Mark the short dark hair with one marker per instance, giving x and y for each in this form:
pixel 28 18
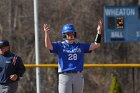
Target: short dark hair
pixel 4 43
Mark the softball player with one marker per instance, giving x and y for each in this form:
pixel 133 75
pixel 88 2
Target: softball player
pixel 71 57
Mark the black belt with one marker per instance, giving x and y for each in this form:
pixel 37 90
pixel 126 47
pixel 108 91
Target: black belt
pixel 69 72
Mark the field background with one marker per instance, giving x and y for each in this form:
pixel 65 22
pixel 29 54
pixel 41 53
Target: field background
pixel 17 26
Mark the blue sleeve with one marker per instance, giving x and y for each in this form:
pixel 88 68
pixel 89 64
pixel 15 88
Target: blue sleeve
pixel 55 47
pixel 86 47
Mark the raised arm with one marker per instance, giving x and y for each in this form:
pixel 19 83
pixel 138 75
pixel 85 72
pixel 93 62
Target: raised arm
pixel 48 43
pixel 96 43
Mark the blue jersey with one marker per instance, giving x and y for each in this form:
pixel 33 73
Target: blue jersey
pixel 70 56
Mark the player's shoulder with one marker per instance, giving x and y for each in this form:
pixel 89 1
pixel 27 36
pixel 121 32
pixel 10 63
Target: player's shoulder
pixel 83 43
pixel 78 43
pixel 57 42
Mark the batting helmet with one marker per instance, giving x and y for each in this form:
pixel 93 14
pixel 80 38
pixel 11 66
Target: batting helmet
pixel 68 28
pixel 4 43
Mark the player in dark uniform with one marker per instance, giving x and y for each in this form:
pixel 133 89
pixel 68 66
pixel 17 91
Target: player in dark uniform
pixel 71 57
pixel 11 68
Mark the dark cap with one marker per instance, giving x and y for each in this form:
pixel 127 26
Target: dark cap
pixel 4 43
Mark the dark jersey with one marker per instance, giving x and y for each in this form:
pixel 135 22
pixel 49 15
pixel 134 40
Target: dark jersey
pixel 10 64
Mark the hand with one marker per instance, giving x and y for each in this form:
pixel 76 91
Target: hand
pixel 13 77
pixel 46 28
pixel 99 28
